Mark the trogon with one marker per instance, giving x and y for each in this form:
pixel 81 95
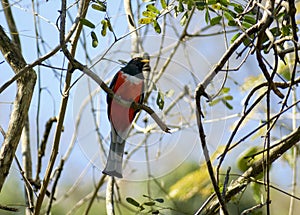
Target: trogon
pixel 128 83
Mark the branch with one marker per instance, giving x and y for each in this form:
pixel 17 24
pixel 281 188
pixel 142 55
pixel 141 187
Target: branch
pixel 82 10
pixel 257 168
pixel 21 105
pixel 134 105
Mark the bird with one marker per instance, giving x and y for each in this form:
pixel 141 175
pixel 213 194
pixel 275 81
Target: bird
pixel 128 83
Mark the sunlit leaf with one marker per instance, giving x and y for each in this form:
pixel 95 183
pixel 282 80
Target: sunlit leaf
pixel 151 7
pixel 156 27
pixel 250 19
pixel 216 20
pixel 235 37
pixel 149 14
pixel 104 27
pixel 228 16
pixel 225 90
pixel 94 39
pixel 145 20
pixel 163 4
pixel 99 7
pixel 87 23
pixel 109 25
pixel 184 18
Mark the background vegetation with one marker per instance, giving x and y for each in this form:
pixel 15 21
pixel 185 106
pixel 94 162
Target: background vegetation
pixel 224 79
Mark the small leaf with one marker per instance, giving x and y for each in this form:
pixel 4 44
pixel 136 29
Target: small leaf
pixel 149 203
pixel 87 23
pixel 229 106
pixel 104 27
pixel 216 20
pixel 109 25
pixel 229 97
pixel 249 19
pixel 99 7
pixel 235 37
pixel 207 16
pixel 160 200
pixel 145 20
pixel 237 7
pixel 214 102
pixel 94 39
pixel 225 90
pixel 156 27
pixel 132 201
pixel 151 7
pixel 180 6
pixel 160 100
pixel 228 16
pixel 163 4
pixel 184 18
pixel 149 14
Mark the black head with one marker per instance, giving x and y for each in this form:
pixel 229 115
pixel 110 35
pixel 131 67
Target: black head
pixel 135 66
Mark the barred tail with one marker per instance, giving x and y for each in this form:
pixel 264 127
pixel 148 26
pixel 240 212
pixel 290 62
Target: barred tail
pixel 115 157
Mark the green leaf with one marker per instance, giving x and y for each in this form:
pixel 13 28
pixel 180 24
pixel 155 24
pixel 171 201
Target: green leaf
pixel 235 37
pixel 225 90
pixel 156 27
pixel 216 20
pixel 145 20
pixel 94 39
pixel 104 27
pixel 228 16
pixel 224 2
pixel 250 19
pixel 229 97
pixel 211 2
pixel 229 106
pixel 132 202
pixel 99 7
pixel 207 16
pixel 246 25
pixel 109 25
pixel 180 6
pixel 237 7
pixel 184 18
pixel 214 102
pixel 160 101
pixel 87 23
pixel 163 4
pixel 149 14
pixel 151 7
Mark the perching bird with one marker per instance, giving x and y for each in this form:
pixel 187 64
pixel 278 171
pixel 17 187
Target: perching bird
pixel 128 83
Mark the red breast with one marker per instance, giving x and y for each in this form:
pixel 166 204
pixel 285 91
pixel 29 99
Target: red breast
pixel 128 88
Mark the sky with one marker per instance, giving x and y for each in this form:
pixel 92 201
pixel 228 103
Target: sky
pixel 188 67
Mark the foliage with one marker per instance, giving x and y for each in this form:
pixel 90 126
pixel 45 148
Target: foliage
pixel 251 46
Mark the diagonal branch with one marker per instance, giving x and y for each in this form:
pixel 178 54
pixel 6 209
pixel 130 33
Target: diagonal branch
pixel 257 167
